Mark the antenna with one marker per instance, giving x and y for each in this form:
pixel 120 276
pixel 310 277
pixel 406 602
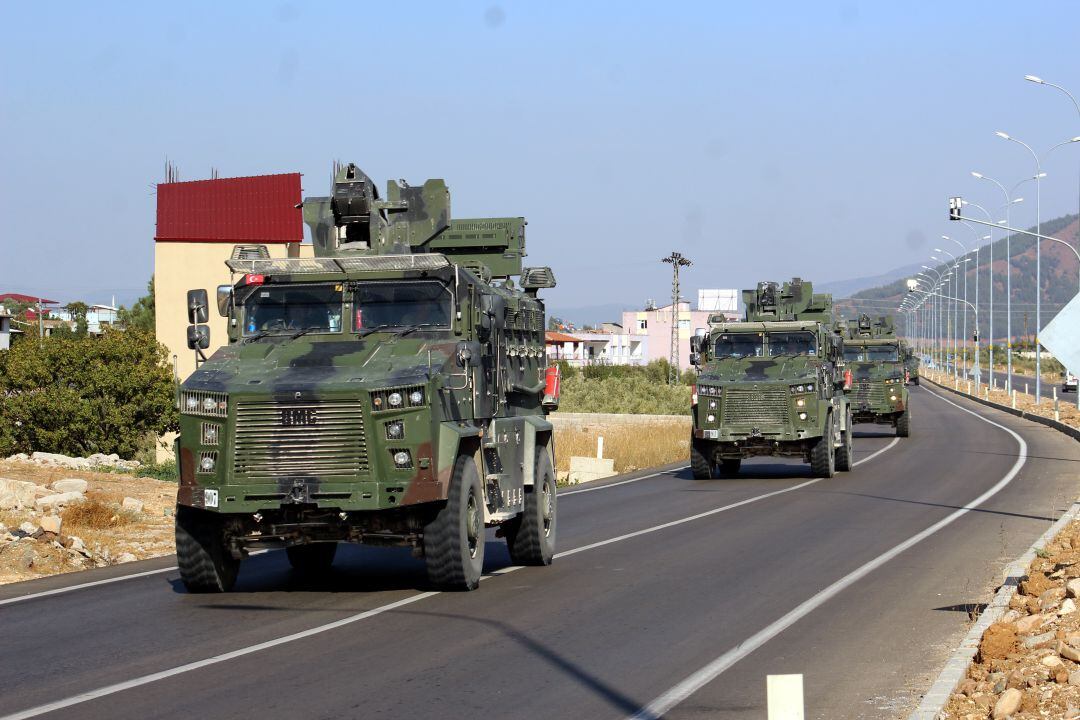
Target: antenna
pixel 676 260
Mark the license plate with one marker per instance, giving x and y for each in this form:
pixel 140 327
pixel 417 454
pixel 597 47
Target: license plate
pixel 298 416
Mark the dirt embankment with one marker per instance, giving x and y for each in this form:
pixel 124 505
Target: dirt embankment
pixel 55 519
pixel 1028 665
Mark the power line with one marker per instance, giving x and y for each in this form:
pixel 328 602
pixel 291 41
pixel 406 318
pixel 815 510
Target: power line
pixel 676 260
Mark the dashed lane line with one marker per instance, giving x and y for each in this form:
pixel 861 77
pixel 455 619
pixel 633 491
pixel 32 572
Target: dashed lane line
pixel 699 679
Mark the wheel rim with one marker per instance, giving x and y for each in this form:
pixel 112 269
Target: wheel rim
pixel 472 525
pixel 547 507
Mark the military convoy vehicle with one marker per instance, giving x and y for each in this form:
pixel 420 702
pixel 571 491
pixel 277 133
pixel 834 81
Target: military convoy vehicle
pixel 390 390
pixel 911 363
pixel 772 384
pixel 879 389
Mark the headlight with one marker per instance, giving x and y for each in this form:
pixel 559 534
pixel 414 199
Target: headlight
pixel 394 399
pixel 402 459
pixel 395 430
pixel 802 416
pixel 800 403
pixel 209 405
pixel 711 418
pixel 192 403
pixel 203 402
pixel 209 434
pixel 416 397
pixel 207 461
pixel 810 387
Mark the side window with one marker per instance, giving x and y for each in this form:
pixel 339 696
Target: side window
pixel 642 324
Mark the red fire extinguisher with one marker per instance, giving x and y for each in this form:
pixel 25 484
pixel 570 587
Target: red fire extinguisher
pixel 848 378
pixel 552 378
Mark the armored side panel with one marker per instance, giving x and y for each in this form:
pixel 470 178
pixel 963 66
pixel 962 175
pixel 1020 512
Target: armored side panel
pixel 497 244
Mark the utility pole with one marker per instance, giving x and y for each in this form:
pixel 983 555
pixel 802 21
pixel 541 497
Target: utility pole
pixel 676 260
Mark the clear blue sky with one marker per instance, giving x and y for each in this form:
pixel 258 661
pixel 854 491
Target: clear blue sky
pixel 763 140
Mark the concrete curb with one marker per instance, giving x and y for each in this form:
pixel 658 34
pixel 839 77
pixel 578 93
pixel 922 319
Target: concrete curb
pixel 955 670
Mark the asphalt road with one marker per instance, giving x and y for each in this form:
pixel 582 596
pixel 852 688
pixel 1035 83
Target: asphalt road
pixel 704 587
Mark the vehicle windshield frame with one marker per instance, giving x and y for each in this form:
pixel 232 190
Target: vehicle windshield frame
pixel 758 346
pixel 289 325
pixel 443 297
pixel 810 351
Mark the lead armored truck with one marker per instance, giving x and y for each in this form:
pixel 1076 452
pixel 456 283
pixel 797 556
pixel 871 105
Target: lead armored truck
pixel 874 356
pixel 389 390
pixel 771 384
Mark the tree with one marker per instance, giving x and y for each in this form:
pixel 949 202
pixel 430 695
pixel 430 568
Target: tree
pixel 78 311
pixel 142 315
pixel 84 395
pixel 554 323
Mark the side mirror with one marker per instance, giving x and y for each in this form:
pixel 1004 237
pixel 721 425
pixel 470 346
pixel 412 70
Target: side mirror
pixel 198 336
pixel 224 299
pixel 197 306
pixel 695 359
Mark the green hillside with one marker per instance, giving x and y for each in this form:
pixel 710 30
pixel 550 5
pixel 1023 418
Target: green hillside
pixel 1059 281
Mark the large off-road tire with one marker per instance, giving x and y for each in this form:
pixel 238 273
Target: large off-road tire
pixel 822 457
pixel 531 535
pixel 206 565
pixel 729 468
pixel 454 539
pixel 312 557
pixel 903 424
pixel 845 453
pixel 701 464
pixel 915 380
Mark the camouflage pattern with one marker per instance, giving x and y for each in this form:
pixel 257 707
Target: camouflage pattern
pixel 879 393
pixel 770 405
pixel 303 432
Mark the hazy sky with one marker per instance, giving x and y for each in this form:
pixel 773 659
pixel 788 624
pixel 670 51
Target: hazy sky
pixel 763 140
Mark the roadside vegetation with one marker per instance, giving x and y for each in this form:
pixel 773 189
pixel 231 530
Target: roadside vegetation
pixel 83 395
pixel 624 389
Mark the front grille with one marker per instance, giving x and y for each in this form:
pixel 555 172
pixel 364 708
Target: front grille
pixel 299 439
pixel 868 392
pixel 759 408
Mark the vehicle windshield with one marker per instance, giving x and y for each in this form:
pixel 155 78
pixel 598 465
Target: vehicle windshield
pixel 273 309
pixel 792 343
pixel 401 304
pixel 738 345
pixel 871 353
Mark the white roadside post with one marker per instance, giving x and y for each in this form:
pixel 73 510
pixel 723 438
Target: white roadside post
pixel 784 695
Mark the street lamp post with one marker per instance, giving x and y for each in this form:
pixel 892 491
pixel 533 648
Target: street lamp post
pixel 1038 261
pixel 952 311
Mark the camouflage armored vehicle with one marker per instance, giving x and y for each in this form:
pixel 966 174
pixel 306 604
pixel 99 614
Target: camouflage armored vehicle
pixel 771 384
pixel 911 363
pixel 879 392
pixel 389 390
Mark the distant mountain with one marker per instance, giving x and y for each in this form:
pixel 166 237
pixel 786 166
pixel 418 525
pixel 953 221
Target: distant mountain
pixel 1059 282
pixel 847 288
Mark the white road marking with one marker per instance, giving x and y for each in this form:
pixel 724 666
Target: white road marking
pixel 707 513
pixel 710 672
pixel 319 629
pixel 95 583
pixel 622 482
pixel 80 586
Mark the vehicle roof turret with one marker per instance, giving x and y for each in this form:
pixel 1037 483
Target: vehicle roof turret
pixel 794 300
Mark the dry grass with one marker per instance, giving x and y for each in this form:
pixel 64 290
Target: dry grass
pixel 633 447
pixel 95 515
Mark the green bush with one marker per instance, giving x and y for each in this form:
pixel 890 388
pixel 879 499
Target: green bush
pixel 634 393
pixel 85 395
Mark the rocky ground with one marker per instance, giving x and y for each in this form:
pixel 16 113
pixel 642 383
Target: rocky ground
pixel 1028 665
pixel 60 514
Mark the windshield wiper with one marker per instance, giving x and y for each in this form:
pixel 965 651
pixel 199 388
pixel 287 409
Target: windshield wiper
pixel 258 336
pixel 305 331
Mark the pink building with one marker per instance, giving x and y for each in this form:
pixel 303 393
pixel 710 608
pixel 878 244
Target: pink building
pixel 654 323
